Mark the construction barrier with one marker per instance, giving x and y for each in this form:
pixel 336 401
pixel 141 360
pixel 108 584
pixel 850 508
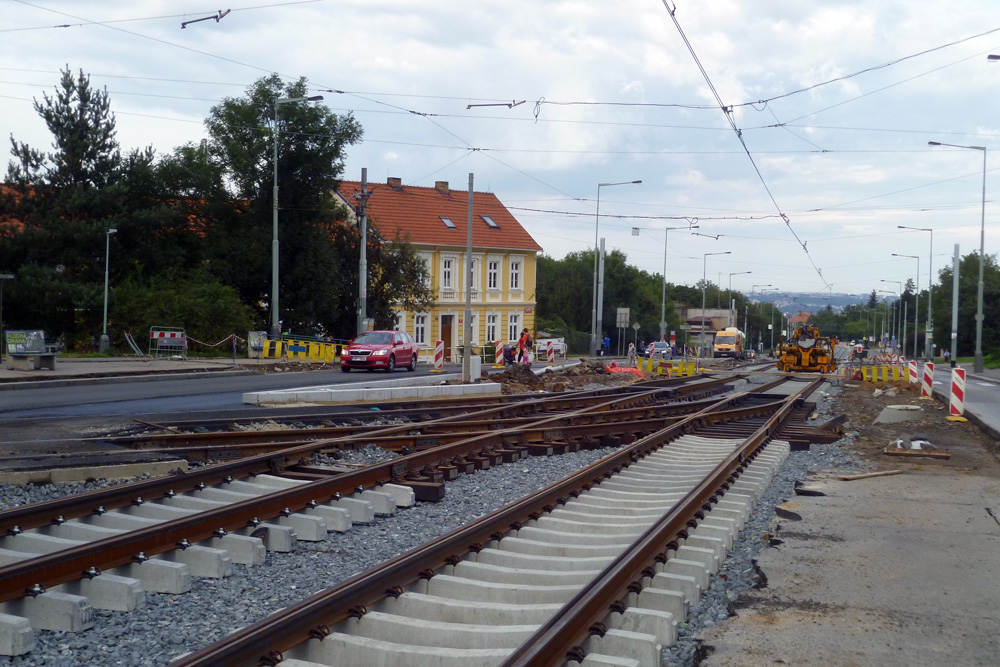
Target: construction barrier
pixel 272 349
pixel 438 365
pixel 499 358
pixel 167 341
pixel 550 351
pixel 913 371
pixel 956 406
pixel 927 386
pixel 303 349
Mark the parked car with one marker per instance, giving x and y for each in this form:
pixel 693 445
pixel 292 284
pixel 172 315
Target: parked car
pixel 380 349
pixel 659 349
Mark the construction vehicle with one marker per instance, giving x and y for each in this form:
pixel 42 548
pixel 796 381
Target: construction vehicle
pixel 730 342
pixel 807 351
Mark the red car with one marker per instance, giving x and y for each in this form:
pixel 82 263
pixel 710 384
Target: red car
pixel 380 349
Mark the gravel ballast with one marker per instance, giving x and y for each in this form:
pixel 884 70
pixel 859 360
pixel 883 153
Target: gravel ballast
pixel 169 625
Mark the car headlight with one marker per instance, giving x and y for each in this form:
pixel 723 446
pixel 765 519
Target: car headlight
pixel 380 353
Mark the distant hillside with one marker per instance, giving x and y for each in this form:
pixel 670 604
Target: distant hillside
pixel 791 303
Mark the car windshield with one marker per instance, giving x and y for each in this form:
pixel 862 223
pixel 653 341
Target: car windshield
pixel 726 340
pixel 374 338
pixel 660 346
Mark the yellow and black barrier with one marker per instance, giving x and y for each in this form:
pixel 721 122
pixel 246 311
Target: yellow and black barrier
pixel 299 349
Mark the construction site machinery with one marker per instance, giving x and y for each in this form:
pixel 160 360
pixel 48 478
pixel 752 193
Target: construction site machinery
pixel 807 351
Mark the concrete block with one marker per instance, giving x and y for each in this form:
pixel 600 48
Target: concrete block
pixel 339 648
pixel 308 528
pixel 8 557
pixel 688 568
pixel 598 660
pixel 433 608
pixel 586 529
pixel 201 561
pixel 641 647
pixel 158 575
pixel 361 511
pixel 661 599
pixel 570 538
pixel 687 586
pixel 108 591
pixel 119 521
pixel 241 548
pixel 276 538
pixel 16 636
pixel 53 610
pixel 513 559
pixel 403 496
pixel 222 495
pixel 457 588
pixel 274 481
pixel 660 624
pixel 706 557
pixel 507 575
pixel 336 518
pixel 714 544
pixel 73 530
pixel 33 542
pixel 391 628
pixel 156 511
pixel 382 502
pixel 186 502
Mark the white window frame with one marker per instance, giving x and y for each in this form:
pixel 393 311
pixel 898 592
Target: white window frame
pixel 513 326
pixel 447 273
pixel 492 324
pixel 474 340
pixel 420 328
pixel 400 320
pixel 515 273
pixel 426 259
pixel 493 267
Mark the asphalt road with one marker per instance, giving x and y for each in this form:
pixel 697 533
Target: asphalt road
pixel 171 394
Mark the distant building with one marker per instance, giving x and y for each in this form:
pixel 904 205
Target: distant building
pixel 801 318
pixel 434 221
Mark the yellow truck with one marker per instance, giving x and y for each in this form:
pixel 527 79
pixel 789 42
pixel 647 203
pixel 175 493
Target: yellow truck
pixel 730 342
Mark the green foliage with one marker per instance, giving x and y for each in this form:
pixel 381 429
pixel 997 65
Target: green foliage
pixel 208 311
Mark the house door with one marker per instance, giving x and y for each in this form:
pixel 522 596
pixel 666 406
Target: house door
pixel 446 323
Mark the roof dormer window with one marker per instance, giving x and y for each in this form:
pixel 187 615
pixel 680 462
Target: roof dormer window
pixel 448 223
pixel 490 222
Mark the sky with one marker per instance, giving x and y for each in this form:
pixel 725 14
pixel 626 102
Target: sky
pixel 793 134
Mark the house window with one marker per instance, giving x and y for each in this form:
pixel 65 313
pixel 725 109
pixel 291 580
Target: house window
pixel 426 264
pixel 400 320
pixel 448 223
pixel 474 337
pixel 493 274
pixel 475 277
pixel 446 266
pixel 490 222
pixel 515 274
pixel 420 329
pixel 513 326
pixel 491 326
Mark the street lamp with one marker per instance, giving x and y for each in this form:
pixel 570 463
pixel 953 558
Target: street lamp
pixel 977 365
pixel 103 346
pixel 729 296
pixel 595 322
pixel 663 302
pixel 916 305
pixel 275 321
pixel 704 280
pixel 899 295
pixel 929 329
pixel 885 319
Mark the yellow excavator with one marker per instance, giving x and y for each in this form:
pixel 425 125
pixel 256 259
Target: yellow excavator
pixel 807 351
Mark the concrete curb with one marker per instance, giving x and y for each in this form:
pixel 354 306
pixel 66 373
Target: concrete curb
pixel 386 390
pixel 83 473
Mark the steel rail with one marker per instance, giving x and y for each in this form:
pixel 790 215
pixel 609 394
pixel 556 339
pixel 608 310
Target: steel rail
pixel 264 642
pixel 559 639
pixel 71 564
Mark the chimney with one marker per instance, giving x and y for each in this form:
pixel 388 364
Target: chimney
pixel 395 183
pixel 441 186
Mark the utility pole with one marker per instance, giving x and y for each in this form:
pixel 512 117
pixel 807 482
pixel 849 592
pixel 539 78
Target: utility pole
pixel 363 263
pixel 954 311
pixel 467 357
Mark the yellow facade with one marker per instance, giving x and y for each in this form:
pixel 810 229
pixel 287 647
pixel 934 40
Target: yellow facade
pixel 503 298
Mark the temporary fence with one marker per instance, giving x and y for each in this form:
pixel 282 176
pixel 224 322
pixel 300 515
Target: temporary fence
pixel 167 341
pixel 311 349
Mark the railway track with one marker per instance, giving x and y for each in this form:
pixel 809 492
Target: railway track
pixel 102 550
pixel 598 568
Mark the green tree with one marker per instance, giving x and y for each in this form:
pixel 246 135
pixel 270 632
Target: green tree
pixel 968 286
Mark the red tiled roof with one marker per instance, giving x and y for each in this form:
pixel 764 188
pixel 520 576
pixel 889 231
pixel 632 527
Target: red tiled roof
pixel 415 215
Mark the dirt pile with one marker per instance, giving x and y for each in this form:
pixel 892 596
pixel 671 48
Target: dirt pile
pixel 520 379
pixel 863 402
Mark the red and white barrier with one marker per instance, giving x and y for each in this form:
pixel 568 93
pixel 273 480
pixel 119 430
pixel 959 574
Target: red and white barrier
pixel 438 364
pixel 913 371
pixel 957 403
pixel 550 352
pixel 927 386
pixel 499 358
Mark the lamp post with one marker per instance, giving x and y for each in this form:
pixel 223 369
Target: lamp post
pixel 663 301
pixel 977 364
pixel 899 295
pixel 275 321
pixel 594 320
pixel 886 319
pixel 729 297
pixel 929 328
pixel 916 304
pixel 3 277
pixel 704 274
pixel 103 346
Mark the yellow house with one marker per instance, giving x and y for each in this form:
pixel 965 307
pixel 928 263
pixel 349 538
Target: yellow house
pixel 434 220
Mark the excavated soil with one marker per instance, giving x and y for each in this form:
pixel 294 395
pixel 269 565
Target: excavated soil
pixel 587 375
pixel 862 403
